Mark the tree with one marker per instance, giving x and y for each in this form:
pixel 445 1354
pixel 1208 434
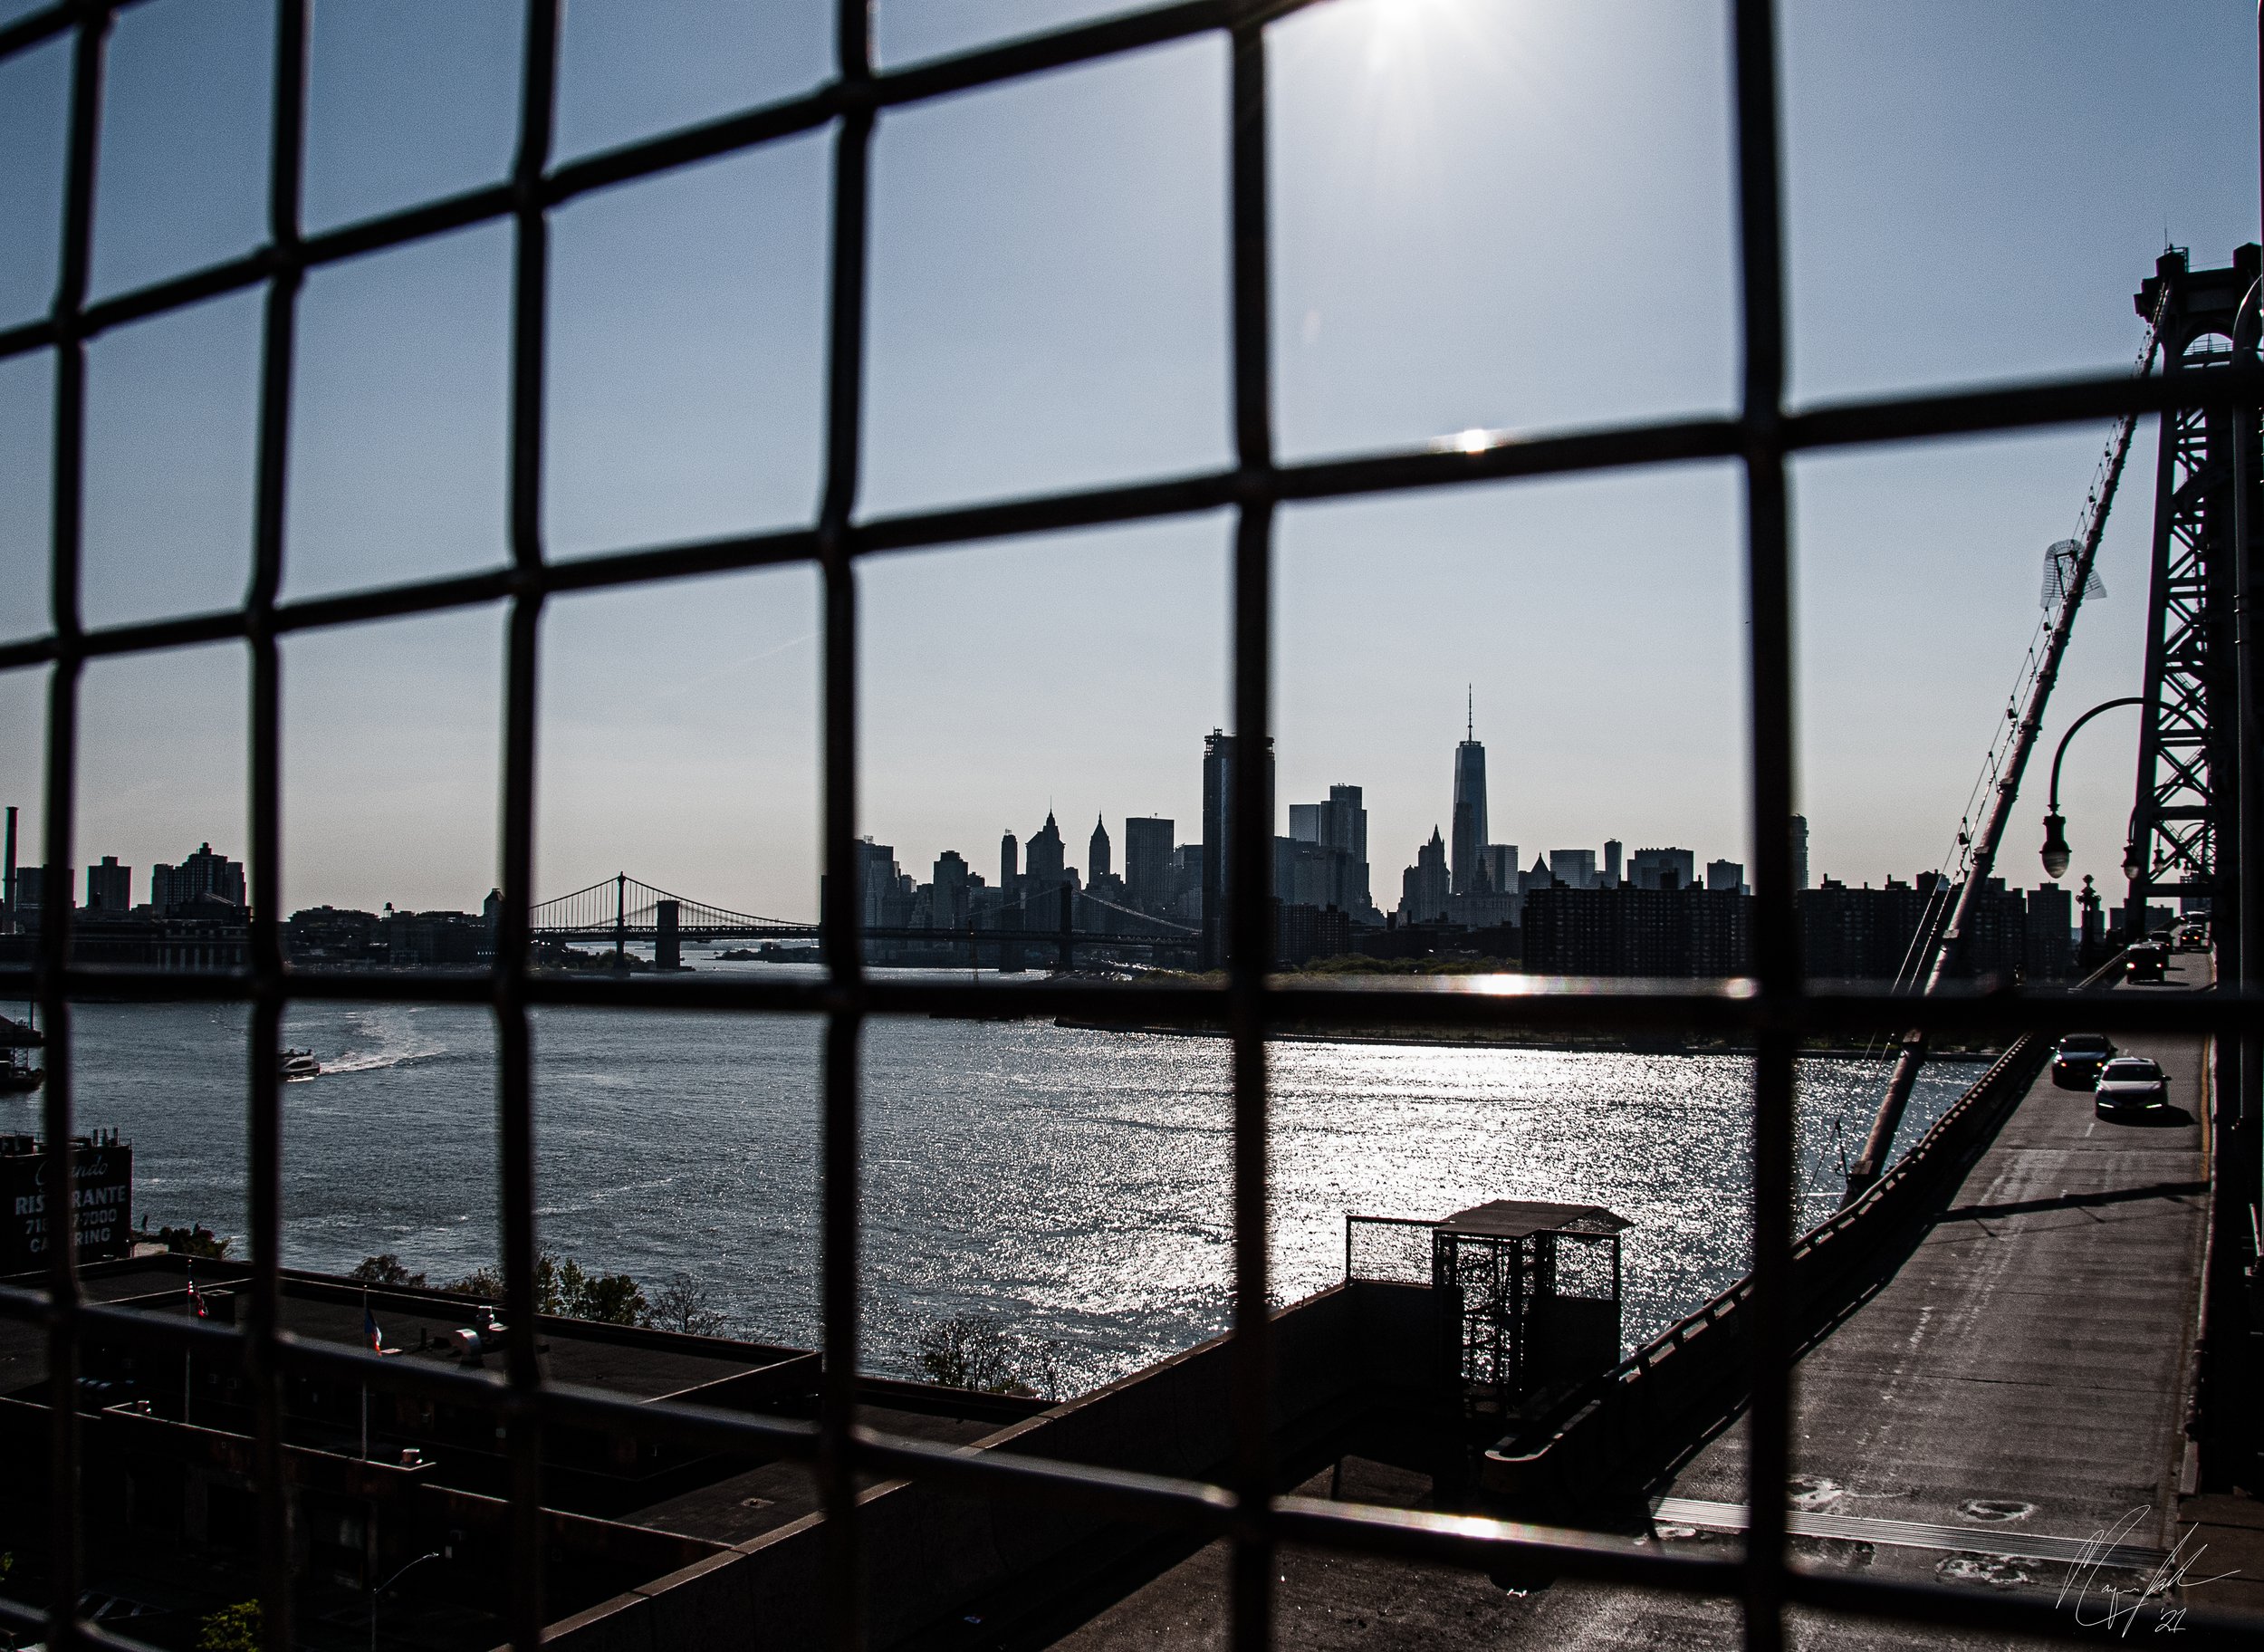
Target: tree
pixel 611 1299
pixel 568 1289
pixel 481 1281
pixel 681 1303
pixel 968 1351
pixel 386 1269
pixel 196 1240
pixel 231 1629
pixel 965 1353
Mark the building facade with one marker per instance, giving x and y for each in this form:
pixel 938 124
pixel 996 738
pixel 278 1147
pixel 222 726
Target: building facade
pixel 200 875
pixel 1147 846
pixel 110 886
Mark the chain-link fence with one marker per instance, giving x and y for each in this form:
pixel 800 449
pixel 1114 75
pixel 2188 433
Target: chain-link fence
pixel 1774 1010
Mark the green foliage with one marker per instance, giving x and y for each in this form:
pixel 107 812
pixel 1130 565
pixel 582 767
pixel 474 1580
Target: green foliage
pixel 1359 963
pixel 231 1629
pixel 569 1290
pixel 611 1299
pixel 480 1281
pixel 386 1269
pixel 196 1240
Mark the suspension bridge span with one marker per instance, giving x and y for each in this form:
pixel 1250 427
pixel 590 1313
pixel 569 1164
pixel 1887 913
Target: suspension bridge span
pixel 621 911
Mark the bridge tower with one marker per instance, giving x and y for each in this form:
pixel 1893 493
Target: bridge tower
pixel 2182 823
pixel 2197 829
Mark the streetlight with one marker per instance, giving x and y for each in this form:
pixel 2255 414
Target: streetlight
pixel 431 1554
pixel 2055 852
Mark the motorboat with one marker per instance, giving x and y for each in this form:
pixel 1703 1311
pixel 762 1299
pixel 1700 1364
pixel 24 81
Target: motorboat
pixel 298 1064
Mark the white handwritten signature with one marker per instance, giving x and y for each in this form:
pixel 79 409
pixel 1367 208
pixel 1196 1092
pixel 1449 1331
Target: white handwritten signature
pixel 2117 1606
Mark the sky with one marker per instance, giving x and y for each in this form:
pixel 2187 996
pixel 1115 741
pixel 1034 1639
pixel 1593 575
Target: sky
pixel 1498 213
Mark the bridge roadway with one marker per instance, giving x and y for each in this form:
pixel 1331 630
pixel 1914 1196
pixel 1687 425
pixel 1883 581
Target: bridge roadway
pixel 2033 1353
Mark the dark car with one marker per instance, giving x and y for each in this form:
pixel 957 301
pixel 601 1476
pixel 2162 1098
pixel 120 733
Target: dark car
pixel 2148 961
pixel 2130 1084
pixel 2076 1063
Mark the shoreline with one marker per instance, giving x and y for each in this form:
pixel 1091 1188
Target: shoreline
pixel 1838 1052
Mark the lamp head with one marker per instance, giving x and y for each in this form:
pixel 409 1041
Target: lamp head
pixel 2056 851
pixel 2135 860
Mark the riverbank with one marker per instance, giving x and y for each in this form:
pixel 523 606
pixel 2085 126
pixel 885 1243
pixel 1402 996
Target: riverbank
pixel 1481 1038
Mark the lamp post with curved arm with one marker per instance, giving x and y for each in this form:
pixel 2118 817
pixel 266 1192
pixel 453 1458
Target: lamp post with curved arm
pixel 2056 851
pixel 433 1554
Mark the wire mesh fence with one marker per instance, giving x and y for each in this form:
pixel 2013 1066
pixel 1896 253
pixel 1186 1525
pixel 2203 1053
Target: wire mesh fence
pixel 1773 1009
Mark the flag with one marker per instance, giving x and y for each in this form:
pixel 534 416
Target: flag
pixel 369 1332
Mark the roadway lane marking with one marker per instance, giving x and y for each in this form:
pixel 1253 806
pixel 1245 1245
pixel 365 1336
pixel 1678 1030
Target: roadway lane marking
pixel 1913 1534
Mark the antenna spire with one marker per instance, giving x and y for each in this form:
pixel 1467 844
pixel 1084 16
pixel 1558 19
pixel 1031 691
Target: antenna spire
pixel 1470 725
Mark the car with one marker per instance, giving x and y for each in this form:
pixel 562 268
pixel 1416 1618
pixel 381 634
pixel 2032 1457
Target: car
pixel 2077 1062
pixel 2130 1084
pixel 2192 938
pixel 2147 961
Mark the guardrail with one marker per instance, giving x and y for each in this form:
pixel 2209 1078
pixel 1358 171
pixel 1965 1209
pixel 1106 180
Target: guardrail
pixel 1602 1442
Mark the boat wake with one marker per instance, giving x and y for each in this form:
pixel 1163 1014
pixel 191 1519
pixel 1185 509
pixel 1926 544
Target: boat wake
pixel 375 1061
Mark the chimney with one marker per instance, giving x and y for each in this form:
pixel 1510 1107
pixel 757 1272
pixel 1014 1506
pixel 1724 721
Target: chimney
pixel 7 890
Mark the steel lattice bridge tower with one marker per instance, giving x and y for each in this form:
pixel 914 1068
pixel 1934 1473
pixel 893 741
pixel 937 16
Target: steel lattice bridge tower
pixel 2183 821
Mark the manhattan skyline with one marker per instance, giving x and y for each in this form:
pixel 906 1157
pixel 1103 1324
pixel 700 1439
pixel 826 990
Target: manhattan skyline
pixel 1064 325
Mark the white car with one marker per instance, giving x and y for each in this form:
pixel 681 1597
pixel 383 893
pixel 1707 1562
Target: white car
pixel 2130 1084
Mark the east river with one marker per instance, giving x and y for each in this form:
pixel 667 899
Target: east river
pixel 1065 1183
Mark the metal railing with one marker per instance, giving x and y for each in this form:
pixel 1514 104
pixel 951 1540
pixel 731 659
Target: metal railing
pixel 1773 1009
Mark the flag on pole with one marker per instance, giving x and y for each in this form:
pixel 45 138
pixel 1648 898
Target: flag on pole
pixel 369 1332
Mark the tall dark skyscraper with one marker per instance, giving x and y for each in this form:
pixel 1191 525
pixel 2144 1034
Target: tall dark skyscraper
pixel 1096 866
pixel 1147 846
pixel 1470 807
pixel 110 886
pixel 1043 862
pixel 1222 773
pixel 1009 864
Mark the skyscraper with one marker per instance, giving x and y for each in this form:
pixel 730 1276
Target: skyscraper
pixel 1340 828
pixel 1097 865
pixel 1042 865
pixel 1222 774
pixel 1147 846
pixel 110 886
pixel 1663 869
pixel 1009 864
pixel 947 902
pixel 1423 887
pixel 1799 851
pixel 202 874
pixel 1470 805
pixel 1574 868
pixel 1612 849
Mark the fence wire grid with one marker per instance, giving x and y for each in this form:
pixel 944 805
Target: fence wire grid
pixel 1772 1007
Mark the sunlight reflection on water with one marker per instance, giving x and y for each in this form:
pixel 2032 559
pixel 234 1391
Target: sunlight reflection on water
pixel 1072 1184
